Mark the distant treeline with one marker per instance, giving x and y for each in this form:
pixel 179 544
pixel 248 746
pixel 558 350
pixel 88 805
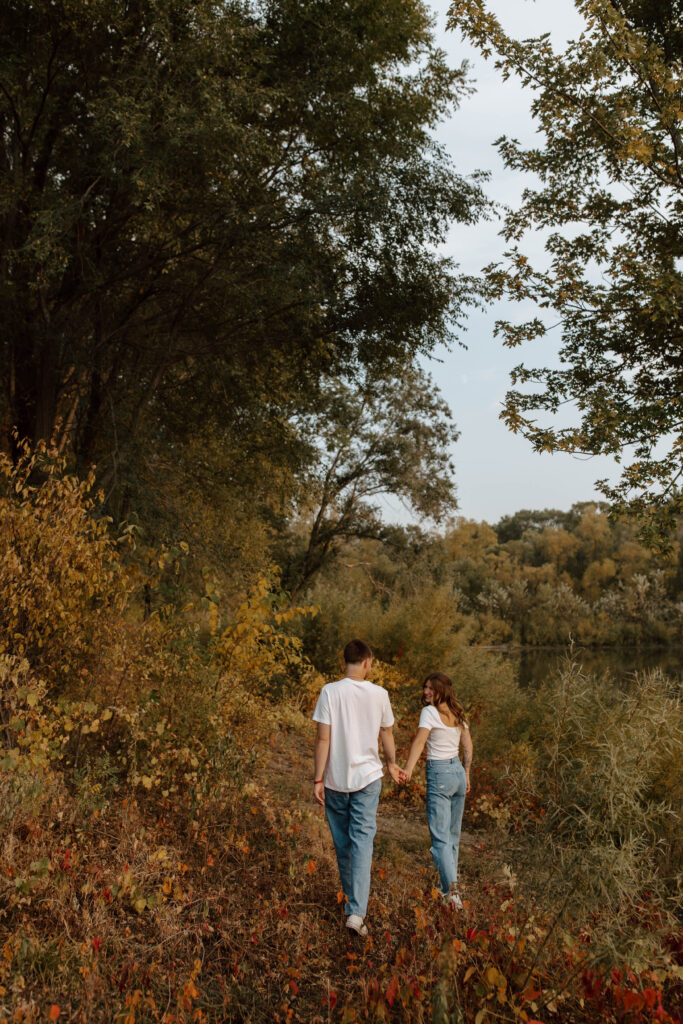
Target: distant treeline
pixel 536 577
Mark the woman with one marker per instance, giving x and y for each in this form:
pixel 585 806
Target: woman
pixel 443 728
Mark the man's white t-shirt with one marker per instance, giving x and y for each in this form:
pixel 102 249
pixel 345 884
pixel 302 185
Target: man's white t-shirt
pixel 355 710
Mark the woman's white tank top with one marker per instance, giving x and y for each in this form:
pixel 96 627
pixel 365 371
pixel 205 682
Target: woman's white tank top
pixel 443 741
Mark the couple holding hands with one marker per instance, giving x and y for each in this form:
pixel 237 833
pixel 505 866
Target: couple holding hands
pixel 351 715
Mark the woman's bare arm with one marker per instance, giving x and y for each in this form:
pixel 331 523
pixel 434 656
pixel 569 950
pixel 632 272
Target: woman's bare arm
pixel 415 751
pixel 467 749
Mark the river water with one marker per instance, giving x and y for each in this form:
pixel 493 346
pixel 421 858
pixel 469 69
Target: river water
pixel 534 665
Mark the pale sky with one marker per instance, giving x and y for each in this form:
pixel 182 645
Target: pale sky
pixel 497 472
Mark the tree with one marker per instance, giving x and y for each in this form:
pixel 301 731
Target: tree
pixel 513 527
pixel 207 205
pixel 611 192
pixel 381 436
pixel 513 602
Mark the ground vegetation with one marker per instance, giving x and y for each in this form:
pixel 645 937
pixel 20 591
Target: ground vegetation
pixel 162 859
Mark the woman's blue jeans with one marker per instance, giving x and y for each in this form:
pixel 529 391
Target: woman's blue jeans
pixel 446 785
pixel 352 818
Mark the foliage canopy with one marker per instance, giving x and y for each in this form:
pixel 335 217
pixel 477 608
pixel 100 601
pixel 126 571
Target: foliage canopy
pixel 206 208
pixel 610 194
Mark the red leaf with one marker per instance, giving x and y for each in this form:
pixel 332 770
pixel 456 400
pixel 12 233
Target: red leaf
pixel 54 1011
pixel 631 1000
pixel 650 997
pixel 392 989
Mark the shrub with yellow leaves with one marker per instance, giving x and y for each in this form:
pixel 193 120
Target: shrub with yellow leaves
pixel 26 731
pixel 256 647
pixel 109 700
pixel 60 578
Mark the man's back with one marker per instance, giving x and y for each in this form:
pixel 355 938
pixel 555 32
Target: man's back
pixel 355 710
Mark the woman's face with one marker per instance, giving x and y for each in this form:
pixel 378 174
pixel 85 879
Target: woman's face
pixel 428 692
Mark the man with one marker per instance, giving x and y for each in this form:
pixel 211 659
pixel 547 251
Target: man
pixel 348 772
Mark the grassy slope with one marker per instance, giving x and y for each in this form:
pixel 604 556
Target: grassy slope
pixel 140 912
pixel 247 925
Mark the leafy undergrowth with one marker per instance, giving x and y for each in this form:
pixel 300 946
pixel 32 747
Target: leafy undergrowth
pixel 161 859
pixel 139 911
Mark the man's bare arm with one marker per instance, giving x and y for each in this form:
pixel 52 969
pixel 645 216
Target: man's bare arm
pixel 322 750
pixel 389 748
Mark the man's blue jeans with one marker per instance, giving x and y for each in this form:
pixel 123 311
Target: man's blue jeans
pixel 352 819
pixel 446 785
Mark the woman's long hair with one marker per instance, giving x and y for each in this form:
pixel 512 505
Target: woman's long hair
pixel 443 694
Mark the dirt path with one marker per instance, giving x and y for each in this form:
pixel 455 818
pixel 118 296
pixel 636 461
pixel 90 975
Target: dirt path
pixel 402 833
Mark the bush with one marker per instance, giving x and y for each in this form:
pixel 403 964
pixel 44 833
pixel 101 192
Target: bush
pixel 112 702
pixel 61 581
pixel 583 796
pixel 152 856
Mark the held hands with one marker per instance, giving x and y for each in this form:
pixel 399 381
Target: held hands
pixel 399 775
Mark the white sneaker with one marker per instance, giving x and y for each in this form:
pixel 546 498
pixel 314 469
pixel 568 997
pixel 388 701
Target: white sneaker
pixel 355 923
pixel 453 901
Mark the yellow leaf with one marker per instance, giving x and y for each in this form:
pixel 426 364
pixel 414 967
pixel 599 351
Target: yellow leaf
pixel 494 977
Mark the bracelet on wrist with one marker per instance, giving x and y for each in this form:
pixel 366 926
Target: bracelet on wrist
pixel 316 781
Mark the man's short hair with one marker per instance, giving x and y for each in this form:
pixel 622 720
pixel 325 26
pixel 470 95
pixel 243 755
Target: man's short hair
pixel 357 651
